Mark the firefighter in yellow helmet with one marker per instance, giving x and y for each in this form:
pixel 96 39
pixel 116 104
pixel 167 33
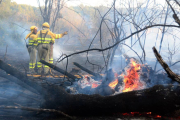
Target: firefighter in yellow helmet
pixel 32 44
pixel 46 39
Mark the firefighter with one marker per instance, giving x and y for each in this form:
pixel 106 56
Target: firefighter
pixel 46 39
pixel 32 44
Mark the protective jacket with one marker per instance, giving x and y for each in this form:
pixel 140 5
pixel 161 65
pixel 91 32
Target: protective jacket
pixel 44 39
pixel 32 37
pixel 46 36
pixel 32 40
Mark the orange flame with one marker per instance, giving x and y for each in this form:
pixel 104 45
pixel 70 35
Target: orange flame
pixel 113 84
pixel 131 80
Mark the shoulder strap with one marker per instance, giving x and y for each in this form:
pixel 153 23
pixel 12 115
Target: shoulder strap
pixel 45 34
pixel 41 35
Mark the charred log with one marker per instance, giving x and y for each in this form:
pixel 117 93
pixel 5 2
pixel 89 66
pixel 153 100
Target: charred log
pixel 158 99
pixel 170 73
pixel 59 70
pixel 88 71
pixel 22 77
pixel 17 81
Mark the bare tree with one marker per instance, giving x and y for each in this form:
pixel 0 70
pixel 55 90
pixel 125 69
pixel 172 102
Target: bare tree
pixel 172 52
pixel 50 11
pixel 130 23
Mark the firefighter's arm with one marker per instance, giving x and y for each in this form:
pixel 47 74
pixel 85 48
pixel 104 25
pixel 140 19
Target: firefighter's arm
pixel 57 36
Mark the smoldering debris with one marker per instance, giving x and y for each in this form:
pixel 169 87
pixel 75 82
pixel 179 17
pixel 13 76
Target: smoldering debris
pixel 134 76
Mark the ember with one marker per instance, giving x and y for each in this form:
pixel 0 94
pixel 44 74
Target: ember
pixel 88 81
pixel 94 85
pixel 145 114
pixel 157 116
pixel 131 80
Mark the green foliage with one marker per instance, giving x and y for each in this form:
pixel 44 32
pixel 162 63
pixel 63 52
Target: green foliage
pixel 5 10
pixel 23 15
pixel 19 13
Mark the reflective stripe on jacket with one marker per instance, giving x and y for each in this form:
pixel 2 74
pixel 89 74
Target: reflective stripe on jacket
pixel 31 40
pixel 46 36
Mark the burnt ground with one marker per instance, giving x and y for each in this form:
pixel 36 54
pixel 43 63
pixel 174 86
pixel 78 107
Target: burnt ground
pixel 12 94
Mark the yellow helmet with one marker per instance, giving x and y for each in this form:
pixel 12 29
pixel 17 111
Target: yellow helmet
pixel 33 27
pixel 46 25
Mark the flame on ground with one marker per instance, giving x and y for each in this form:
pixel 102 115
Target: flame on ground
pixel 131 80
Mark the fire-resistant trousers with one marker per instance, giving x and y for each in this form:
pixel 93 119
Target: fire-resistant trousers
pixel 32 62
pixel 43 54
pixel 51 53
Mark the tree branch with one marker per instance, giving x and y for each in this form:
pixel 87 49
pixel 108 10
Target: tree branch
pixel 174 15
pixel 96 49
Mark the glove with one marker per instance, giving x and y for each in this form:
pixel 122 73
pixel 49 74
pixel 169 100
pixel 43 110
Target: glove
pixel 65 33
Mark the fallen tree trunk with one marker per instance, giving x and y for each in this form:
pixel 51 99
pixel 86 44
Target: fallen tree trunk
pixel 160 99
pixel 17 81
pixel 170 73
pixel 59 70
pixel 22 77
pixel 88 71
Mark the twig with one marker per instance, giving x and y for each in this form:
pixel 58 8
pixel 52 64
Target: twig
pixel 37 109
pixel 75 27
pixel 97 34
pixel 177 2
pixel 20 26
